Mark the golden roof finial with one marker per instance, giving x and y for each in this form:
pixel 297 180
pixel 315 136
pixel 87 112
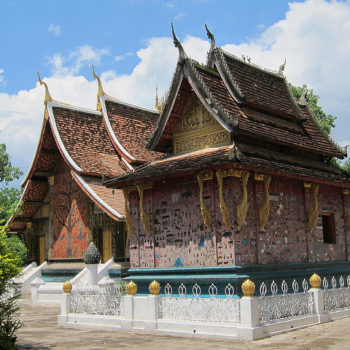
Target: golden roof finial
pixel 48 97
pixel 100 91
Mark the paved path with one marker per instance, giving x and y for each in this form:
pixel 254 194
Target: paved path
pixel 40 331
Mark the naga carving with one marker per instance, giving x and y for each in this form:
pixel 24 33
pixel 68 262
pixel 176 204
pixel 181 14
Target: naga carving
pixel 314 212
pixel 243 207
pixel 224 209
pixel 128 218
pixel 204 209
pixel 144 216
pixel 265 209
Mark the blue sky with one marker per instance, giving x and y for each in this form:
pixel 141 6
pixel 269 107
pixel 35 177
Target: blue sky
pixel 129 42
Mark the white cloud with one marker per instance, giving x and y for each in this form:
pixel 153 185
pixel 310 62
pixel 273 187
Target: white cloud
pixel 314 37
pixel 72 63
pixel 2 78
pixel 122 57
pixel 179 16
pixel 55 29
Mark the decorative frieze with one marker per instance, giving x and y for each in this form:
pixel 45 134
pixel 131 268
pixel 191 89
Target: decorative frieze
pixel 314 212
pixel 204 209
pixel 265 209
pixel 243 207
pixel 198 129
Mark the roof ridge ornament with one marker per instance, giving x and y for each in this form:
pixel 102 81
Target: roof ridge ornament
pixel 48 97
pixel 177 44
pixel 100 91
pixel 211 37
pixel 281 68
pixel 156 104
pixel 302 100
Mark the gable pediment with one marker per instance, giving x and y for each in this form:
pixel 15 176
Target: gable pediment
pixel 197 129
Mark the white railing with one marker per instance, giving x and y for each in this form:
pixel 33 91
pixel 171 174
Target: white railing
pixel 197 307
pixel 284 306
pixel 186 309
pixel 97 300
pixel 336 298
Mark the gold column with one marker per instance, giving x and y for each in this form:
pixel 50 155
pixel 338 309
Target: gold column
pixel 204 209
pixel 265 209
pixel 143 213
pixel 224 209
pixel 243 207
pixel 314 212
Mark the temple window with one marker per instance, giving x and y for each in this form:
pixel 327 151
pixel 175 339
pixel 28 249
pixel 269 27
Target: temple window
pixel 328 225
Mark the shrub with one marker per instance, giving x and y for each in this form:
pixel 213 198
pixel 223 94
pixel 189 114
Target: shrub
pixel 16 244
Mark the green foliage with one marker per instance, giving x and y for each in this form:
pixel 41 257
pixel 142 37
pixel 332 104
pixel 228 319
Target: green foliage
pixel 9 197
pixel 325 120
pixel 18 247
pixel 7 172
pixel 9 268
pixel 346 166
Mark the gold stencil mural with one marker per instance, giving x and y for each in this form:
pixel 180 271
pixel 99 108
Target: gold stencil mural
pixel 198 129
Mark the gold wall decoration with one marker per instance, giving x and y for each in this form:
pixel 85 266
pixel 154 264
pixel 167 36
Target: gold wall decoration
pixel 346 191
pixel 198 129
pixel 265 209
pixel 143 214
pixel 258 177
pixel 314 212
pixel 128 217
pixel 307 184
pixel 204 209
pixel 224 209
pixel 243 207
pixel 348 224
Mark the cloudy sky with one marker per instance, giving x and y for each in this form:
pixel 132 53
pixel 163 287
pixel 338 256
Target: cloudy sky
pixel 130 44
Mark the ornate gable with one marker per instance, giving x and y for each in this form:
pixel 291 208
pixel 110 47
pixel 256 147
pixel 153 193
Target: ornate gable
pixel 198 129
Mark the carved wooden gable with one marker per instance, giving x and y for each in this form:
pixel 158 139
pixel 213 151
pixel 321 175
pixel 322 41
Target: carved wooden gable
pixel 198 129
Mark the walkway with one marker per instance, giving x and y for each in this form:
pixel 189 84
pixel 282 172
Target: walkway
pixel 40 331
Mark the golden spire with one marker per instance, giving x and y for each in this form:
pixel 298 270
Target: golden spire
pixel 100 91
pixel 48 97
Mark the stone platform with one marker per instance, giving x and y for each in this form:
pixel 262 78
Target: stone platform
pixel 235 275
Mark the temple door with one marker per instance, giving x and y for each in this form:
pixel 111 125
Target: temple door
pixel 106 245
pixel 41 249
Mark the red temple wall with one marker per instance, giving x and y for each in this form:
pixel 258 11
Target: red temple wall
pixel 70 221
pixel 179 237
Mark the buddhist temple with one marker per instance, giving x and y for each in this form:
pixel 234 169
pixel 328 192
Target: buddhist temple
pixel 245 184
pixel 64 204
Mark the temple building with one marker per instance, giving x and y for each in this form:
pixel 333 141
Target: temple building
pixel 245 178
pixel 64 204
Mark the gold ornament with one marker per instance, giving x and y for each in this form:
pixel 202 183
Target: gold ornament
pixel 265 209
pixel 248 288
pixel 154 288
pixel 67 287
pixel 204 209
pixel 314 212
pixel 131 288
pixel 315 281
pixel 225 211
pixel 243 207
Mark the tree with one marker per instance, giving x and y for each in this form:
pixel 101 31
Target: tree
pixel 9 196
pixel 326 121
pixel 9 268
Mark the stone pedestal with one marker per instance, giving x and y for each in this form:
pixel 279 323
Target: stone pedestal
pixel 92 273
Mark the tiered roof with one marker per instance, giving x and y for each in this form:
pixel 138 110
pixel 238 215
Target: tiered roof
pixel 83 138
pixel 269 129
